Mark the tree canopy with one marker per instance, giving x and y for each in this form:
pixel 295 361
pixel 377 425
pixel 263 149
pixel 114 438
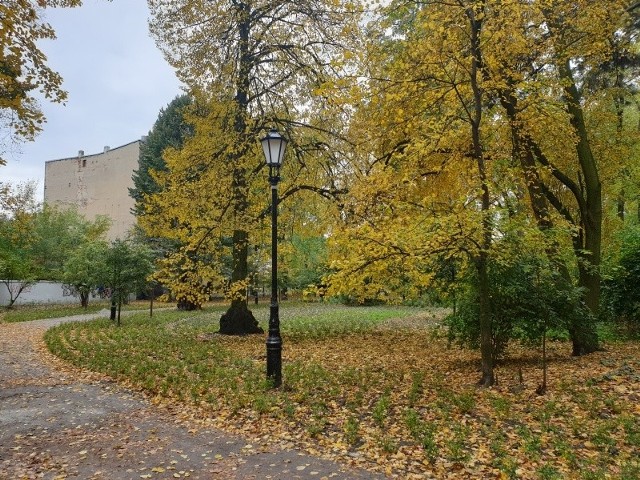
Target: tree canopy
pixel 169 130
pixel 249 66
pixel 455 141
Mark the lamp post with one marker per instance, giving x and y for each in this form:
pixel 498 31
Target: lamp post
pixel 274 145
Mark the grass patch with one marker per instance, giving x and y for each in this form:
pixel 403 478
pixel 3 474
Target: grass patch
pixel 315 320
pixel 26 313
pixel 358 388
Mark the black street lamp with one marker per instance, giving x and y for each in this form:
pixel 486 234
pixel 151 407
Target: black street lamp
pixel 274 145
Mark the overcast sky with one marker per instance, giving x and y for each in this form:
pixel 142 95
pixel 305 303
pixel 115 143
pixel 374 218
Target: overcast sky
pixel 116 78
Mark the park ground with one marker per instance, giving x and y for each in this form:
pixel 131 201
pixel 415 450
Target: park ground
pixel 376 388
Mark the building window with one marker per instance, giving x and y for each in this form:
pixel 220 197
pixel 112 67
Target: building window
pixel 84 162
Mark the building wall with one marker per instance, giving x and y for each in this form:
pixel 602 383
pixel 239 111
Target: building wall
pixel 96 184
pixel 39 292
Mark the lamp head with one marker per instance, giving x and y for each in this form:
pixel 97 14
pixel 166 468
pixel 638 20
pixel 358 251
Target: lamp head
pixel 273 145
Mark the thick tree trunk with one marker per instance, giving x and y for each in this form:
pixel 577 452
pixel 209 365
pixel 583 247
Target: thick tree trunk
pixel 582 332
pixel 588 196
pixel 239 320
pixel 589 258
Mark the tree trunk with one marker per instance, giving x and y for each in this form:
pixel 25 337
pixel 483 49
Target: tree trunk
pixel 589 258
pixel 186 305
pixel 112 313
pixel 475 117
pixel 582 332
pixel 239 320
pixel 619 103
pixel 84 299
pixel 589 201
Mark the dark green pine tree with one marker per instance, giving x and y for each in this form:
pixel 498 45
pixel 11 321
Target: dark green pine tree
pixel 169 130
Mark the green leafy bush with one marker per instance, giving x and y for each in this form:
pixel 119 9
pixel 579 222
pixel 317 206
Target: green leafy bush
pixel 527 298
pixel 621 290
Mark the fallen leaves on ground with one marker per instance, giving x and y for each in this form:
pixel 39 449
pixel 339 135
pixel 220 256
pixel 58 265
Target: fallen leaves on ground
pixel 394 399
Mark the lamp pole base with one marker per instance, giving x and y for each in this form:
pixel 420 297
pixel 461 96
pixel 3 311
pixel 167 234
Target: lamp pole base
pixel 274 360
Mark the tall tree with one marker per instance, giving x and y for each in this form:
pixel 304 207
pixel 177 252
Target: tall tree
pixel 169 130
pixel 251 65
pixel 552 82
pixel 497 85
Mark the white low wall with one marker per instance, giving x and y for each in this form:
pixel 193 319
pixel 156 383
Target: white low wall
pixel 39 292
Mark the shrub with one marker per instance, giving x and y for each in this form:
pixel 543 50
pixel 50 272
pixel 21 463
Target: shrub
pixel 527 298
pixel 621 291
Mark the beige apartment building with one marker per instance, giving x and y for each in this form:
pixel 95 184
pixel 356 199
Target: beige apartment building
pixel 96 184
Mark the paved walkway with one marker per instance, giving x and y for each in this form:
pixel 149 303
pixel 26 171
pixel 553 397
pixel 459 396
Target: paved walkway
pixel 54 425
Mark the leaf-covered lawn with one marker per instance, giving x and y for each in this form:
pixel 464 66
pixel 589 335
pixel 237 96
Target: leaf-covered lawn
pixel 379 387
pixel 25 313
